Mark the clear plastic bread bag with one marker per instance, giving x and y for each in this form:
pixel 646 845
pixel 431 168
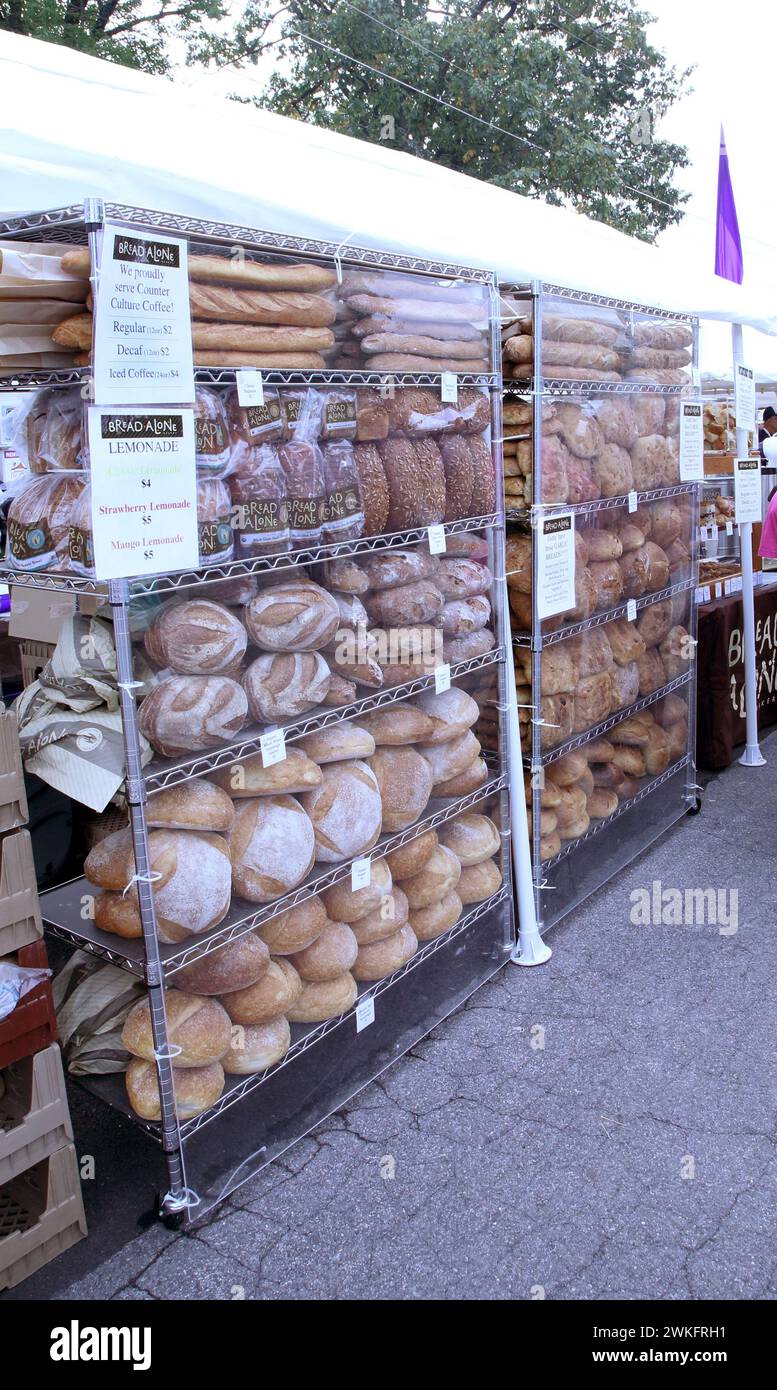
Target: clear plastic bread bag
pixel 211 434
pixel 303 466
pixel 344 515
pixel 258 492
pixel 215 538
pixel 39 517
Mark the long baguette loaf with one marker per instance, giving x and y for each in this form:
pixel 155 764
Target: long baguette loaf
pixel 523 371
pixel 417 309
pixel 406 362
pixel 75 332
pixel 77 261
pixel 420 345
pixel 267 360
pixel 386 323
pixel 264 339
pixel 225 270
pixel 256 306
pixel 380 282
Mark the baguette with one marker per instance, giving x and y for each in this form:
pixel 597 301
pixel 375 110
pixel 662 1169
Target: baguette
pixel 377 282
pixel 415 309
pixel 74 333
pixel 267 360
pixel 225 270
pixel 423 346
pixel 387 323
pixel 257 306
pixel 265 339
pixel 401 362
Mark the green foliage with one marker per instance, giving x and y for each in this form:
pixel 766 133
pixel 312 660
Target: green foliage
pixel 133 32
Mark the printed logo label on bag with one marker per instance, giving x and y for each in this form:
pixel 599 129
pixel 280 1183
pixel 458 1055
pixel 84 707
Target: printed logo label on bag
pixel 142 252
pixel 76 1343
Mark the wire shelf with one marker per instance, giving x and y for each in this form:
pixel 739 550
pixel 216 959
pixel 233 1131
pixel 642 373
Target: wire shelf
pixel 271 376
pixel 527 290
pixel 531 514
pixel 549 639
pixel 611 722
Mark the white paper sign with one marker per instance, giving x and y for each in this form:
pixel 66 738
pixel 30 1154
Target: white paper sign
pixel 729 528
pixel 631 610
pixel 273 747
pixel 144 492
pixel 365 1012
pixel 361 873
pixel 633 501
pixel 744 397
pixel 442 678
pixel 556 564
pixel 436 536
pixel 250 387
pixel 691 441
pixel 142 320
pixel 747 490
pixel 449 388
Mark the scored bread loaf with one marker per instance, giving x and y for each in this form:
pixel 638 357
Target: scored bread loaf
pixel 377 959
pixel 286 684
pixel 196 1089
pixel 404 779
pixel 186 714
pixel 408 605
pixel 345 811
pixel 452 757
pixel 274 993
pixel 345 904
pixel 235 965
pixel 471 837
pixel 464 782
pixel 197 1027
pixel 272 847
pixel 330 955
pixel 439 876
pixel 400 567
pixel 295 928
pixel 320 1001
pixel 257 1046
pixel 294 616
pixel 452 713
pixel 192 805
pixel 227 305
pixel 430 922
pixel 338 743
pixel 190 888
pixel 196 638
pixel 384 919
pixel 249 777
pixel 410 858
pixel 399 724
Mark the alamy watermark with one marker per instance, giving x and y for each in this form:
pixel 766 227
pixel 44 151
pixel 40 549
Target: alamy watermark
pixel 658 906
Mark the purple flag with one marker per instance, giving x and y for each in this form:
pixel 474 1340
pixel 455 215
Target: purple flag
pixel 728 245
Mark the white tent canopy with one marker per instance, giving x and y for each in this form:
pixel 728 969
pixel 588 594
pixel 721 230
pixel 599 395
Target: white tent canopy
pixel 74 126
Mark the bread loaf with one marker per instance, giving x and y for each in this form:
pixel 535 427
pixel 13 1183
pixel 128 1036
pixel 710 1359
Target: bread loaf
pixel 248 776
pixel 294 616
pixel 197 1028
pixel 380 958
pixel 318 1002
pixel 430 922
pixel 404 779
pixel 196 638
pixel 272 847
pixel 399 724
pixel 459 465
pixel 38 522
pixel 346 904
pixel 384 920
pixel 275 993
pixel 345 811
pixel 236 965
pixel 294 929
pixel 448 759
pixel 462 579
pixel 372 481
pixel 407 605
pixel 329 956
pixel 290 308
pixel 452 712
pixel 471 837
pixel 439 876
pixel 193 805
pixel 196 1089
pixel 286 685
pixel 479 881
pixel 257 1046
pixel 186 714
pixel 464 782
pixel 191 887
pixel 110 862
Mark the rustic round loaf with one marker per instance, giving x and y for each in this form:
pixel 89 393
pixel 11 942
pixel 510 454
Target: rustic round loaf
pixel 257 1046
pixel 601 803
pixel 466 648
pixel 400 567
pixel 109 863
pixel 462 579
pixel 295 616
pixel 249 777
pixel 338 743
pixel 479 881
pixel 464 782
pixel 374 488
pixel 346 904
pixel 458 462
pixel 407 605
pixel 117 914
pixel 318 1002
pixel 196 638
pixel 272 847
pixel 294 929
pixel 405 781
pixel 331 954
pixel 452 712
pixel 199 1027
pixel 410 858
pixel 471 837
pixel 233 966
pixel 380 958
pixel 429 922
pixel 464 615
pixel 286 685
pixel 191 889
pixel 345 811
pixel 383 920
pixel 439 876
pixel 193 805
pixel 275 993
pixel 399 724
pixel 185 714
pixel 196 1089
pixel 448 759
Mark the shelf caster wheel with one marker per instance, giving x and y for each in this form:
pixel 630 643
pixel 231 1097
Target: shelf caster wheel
pixel 172 1218
pixel 696 807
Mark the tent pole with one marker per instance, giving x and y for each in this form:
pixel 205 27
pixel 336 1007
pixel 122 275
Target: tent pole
pixel 752 756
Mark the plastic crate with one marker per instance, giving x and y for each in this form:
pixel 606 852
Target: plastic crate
pixel 34 656
pixel 20 923
pixel 41 1214
pixel 33 1024
pixel 13 797
pixel 34 1113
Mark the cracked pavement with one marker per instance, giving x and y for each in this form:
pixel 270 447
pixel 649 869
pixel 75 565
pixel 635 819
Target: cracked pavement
pixel 632 1155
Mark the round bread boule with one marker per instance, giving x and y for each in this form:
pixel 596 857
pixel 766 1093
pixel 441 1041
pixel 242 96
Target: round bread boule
pixel 451 758
pixel 346 904
pixel 331 954
pixel 294 616
pixel 479 881
pixel 381 958
pixel 274 994
pixel 109 863
pixel 320 1001
pixel 233 966
pixel 601 803
pixel 272 847
pixel 193 805
pixel 196 638
pixel 385 919
pixel 464 782
pixel 471 837
pixel 285 685
pixel 199 1027
pixel 257 1046
pixel 117 914
pixel 338 743
pixel 196 1089
pixel 400 724
pixel 410 858
pixel 345 811
pixel 429 922
pixel 187 714
pixel 404 779
pixel 295 928
pixel 249 777
pixel 452 712
pixel 439 876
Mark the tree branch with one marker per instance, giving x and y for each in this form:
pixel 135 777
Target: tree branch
pixel 144 19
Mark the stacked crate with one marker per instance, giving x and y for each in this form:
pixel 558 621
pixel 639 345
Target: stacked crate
pixel 41 1212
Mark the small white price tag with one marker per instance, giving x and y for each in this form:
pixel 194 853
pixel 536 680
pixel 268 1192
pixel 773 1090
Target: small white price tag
pixel 718 590
pixel 729 528
pixel 631 610
pixel 727 587
pixel 273 747
pixel 736 584
pixel 449 388
pixel 436 536
pixel 250 387
pixel 365 1012
pixel 442 678
pixel 707 594
pixel 361 873
pixel 633 503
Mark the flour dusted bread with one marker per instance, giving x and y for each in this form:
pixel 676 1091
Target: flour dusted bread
pixel 430 922
pixel 196 1089
pixel 275 993
pixel 197 1026
pixel 471 837
pixel 295 928
pixel 407 605
pixel 384 919
pixel 396 567
pixel 297 615
pixel 187 714
pixel 191 887
pixel 338 743
pixel 439 876
pixel 404 779
pixel 272 847
pixel 380 958
pixel 196 638
pixel 109 864
pixel 235 965
pixel 330 955
pixel 478 881
pixel 448 759
pixel 192 805
pixel 345 811
pixel 257 1046
pixel 464 782
pixel 400 724
pixel 346 904
pixel 452 713
pixel 249 777
pixel 318 1002
pixel 286 685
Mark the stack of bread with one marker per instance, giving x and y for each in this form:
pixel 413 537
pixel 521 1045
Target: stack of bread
pixel 591 448
pixel 581 789
pixel 401 323
pixel 586 679
pixel 578 345
pixel 716 509
pixel 36 297
pixel 719 427
pixel 626 555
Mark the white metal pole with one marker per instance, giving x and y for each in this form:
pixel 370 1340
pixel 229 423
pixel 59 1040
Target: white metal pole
pixel 531 949
pixel 752 756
